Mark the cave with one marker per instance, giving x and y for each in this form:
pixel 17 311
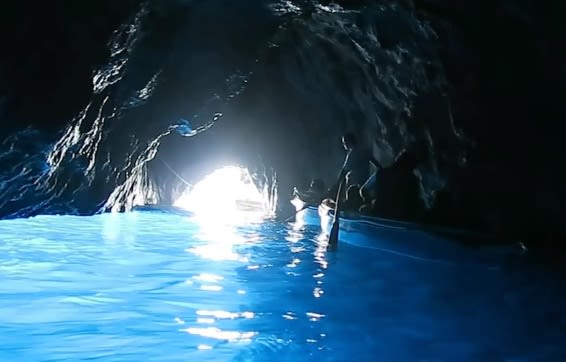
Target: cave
pixel 173 185
pixel 105 106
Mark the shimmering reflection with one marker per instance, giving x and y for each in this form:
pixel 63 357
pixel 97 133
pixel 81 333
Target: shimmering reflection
pixel 217 251
pixel 179 320
pixel 294 235
pixel 290 316
pixel 220 242
pixel 320 251
pixel 298 249
pixel 218 314
pixel 206 320
pixel 317 292
pixel 294 263
pixel 315 317
pixel 207 277
pixel 211 288
pixel 112 227
pixel 75 291
pixel 217 333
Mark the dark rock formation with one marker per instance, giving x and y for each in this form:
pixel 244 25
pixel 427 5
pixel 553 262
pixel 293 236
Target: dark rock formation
pixel 506 77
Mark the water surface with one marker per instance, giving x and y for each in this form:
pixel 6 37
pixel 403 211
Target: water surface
pixel 155 287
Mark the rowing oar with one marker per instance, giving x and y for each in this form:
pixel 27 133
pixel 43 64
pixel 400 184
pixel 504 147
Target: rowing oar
pixel 333 238
pixel 296 212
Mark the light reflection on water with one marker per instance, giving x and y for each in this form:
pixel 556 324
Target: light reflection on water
pixel 156 287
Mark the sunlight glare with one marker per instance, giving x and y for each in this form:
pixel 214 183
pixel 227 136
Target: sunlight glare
pixel 227 194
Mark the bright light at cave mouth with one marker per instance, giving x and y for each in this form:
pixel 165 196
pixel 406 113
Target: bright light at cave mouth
pixel 227 194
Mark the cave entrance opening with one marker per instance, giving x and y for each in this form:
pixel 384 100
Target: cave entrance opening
pixel 226 194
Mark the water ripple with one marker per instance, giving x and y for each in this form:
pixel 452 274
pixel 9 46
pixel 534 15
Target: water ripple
pixel 123 287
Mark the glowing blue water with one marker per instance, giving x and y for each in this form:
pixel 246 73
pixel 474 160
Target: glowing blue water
pixel 155 287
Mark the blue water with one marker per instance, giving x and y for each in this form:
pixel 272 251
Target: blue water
pixel 156 287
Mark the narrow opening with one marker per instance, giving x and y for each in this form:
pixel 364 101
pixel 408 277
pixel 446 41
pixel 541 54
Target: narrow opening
pixel 226 193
